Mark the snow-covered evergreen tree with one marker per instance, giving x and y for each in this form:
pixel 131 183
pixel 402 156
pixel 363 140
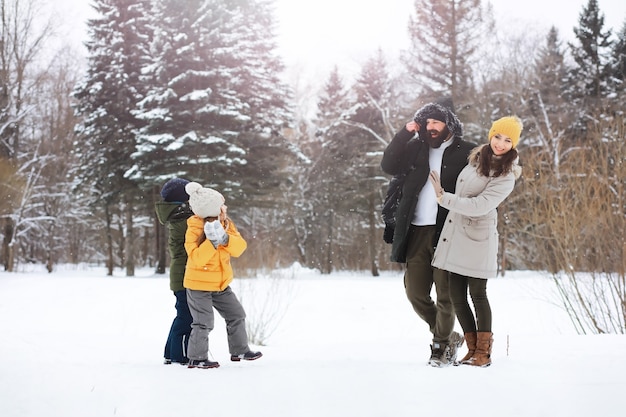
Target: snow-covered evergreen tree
pixel 190 113
pixel 117 48
pixel 618 67
pixel 215 108
pixel 106 97
pixel 257 82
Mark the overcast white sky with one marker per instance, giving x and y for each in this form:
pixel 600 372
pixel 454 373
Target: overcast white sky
pixel 312 34
pixel 352 29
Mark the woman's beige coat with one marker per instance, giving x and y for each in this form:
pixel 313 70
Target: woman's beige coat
pixel 468 244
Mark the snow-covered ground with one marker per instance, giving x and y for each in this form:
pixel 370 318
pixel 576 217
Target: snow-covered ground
pixel 76 343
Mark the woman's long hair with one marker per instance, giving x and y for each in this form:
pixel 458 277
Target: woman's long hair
pixel 489 164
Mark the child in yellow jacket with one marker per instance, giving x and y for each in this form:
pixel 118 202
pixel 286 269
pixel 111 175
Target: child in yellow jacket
pixel 210 241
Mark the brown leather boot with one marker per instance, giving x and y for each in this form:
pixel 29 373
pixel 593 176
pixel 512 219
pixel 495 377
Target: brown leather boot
pixel 482 356
pixel 470 341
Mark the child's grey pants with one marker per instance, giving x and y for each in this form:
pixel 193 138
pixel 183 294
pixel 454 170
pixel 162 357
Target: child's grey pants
pixel 201 305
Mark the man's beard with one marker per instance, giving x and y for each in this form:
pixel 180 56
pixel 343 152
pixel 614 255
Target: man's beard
pixel 436 141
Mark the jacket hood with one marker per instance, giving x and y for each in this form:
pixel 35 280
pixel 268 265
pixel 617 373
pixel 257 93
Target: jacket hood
pixel 167 211
pixel 452 122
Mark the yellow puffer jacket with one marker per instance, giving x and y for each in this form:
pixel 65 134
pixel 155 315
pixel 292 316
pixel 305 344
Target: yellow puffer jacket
pixel 208 268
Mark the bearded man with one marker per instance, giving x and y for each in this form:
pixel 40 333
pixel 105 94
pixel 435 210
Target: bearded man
pixel 433 140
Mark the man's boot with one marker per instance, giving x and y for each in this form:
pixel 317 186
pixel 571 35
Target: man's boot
pixel 440 355
pixel 482 356
pixel 470 340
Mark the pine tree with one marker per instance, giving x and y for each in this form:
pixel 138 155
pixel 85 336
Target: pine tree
pixel 332 102
pixel 550 70
pixel 549 111
pixel 106 97
pixel 257 75
pixel 216 108
pixel 618 67
pixel 257 82
pixel 354 127
pixel 117 48
pixel 444 40
pixel 190 114
pixel 588 80
pixel 323 188
pixel 374 120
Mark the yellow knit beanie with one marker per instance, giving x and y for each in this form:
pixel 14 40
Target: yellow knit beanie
pixel 510 126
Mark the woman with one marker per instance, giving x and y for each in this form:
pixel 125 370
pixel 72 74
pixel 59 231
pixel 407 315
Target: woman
pixel 468 245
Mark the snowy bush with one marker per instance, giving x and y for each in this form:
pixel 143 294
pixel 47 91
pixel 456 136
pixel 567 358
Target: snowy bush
pixel 266 300
pixel 595 302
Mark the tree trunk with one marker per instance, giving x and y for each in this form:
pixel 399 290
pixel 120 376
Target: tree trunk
pixel 129 244
pixel 161 236
pixel 328 259
pixel 11 264
pixel 50 261
pixel 372 232
pixel 109 239
pixel 6 245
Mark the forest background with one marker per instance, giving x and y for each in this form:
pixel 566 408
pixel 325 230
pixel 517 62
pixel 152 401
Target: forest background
pixel 194 89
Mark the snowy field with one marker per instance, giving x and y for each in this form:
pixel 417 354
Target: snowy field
pixel 76 343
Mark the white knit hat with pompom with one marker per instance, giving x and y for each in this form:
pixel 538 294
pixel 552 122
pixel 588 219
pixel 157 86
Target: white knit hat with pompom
pixel 205 202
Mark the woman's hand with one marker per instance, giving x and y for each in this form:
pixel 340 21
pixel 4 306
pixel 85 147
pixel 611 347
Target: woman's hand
pixel 436 182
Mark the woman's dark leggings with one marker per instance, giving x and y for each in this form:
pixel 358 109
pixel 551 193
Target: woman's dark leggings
pixel 459 285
